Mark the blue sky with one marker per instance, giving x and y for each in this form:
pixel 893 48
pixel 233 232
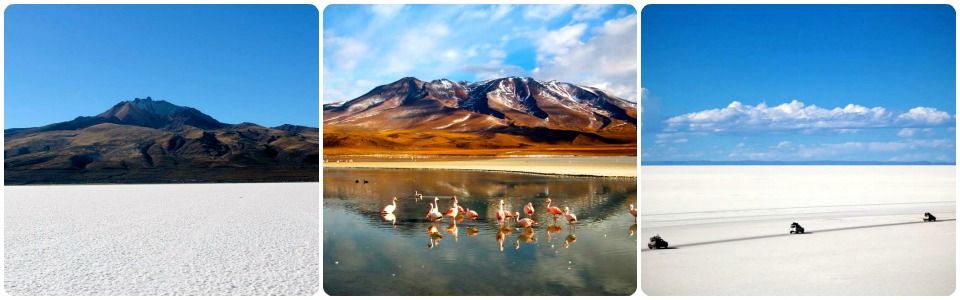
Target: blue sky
pixel 370 45
pixel 798 82
pixel 256 63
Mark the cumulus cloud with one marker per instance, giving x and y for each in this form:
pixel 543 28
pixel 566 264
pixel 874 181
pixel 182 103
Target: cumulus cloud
pixel 797 115
pixel 561 40
pixel 925 115
pixel 607 60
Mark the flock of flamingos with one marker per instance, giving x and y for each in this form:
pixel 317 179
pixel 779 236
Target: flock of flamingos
pixel 457 212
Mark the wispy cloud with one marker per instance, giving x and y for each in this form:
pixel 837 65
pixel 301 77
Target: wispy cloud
pixel 591 45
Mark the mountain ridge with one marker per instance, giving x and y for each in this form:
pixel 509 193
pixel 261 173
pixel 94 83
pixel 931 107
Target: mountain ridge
pixel 531 113
pixel 148 141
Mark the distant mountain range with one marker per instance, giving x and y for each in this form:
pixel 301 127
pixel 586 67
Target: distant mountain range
pixel 148 141
pixel 504 113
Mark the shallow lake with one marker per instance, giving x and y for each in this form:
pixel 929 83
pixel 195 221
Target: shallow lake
pixel 367 254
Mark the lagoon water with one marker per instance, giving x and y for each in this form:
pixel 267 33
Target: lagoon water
pixel 363 254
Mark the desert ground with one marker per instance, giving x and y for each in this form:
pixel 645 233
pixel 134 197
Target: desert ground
pixel 615 166
pixel 193 239
pixel 728 229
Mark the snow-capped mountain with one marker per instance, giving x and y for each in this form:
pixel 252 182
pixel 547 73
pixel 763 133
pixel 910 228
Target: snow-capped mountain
pixel 555 112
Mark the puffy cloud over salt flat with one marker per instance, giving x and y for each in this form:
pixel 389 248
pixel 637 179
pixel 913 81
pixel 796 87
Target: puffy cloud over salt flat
pixel 797 115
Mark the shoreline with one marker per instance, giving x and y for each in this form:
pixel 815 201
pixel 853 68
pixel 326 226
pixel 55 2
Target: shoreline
pixel 607 167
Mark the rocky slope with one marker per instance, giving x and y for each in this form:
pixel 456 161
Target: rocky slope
pixel 147 141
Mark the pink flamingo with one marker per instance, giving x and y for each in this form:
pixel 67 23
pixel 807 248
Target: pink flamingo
pixel 472 214
pixel 553 210
pixel 501 215
pixel 456 203
pixel 452 212
pixel 389 208
pixel 528 209
pixel 526 222
pixel 571 218
pixel 633 211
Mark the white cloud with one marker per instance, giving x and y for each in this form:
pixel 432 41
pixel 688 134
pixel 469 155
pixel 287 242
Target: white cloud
pixel 797 115
pixel 345 52
pixel 561 40
pixel 493 69
pixel 493 13
pixel 589 11
pixel 925 116
pixel 546 12
pixel 416 48
pixel 499 11
pixel 907 132
pixel 608 60
pixel 385 10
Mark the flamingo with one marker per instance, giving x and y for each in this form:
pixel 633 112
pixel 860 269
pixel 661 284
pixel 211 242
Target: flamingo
pixel 571 218
pixel 452 212
pixel 389 208
pixel 509 215
pixel 472 214
pixel 528 209
pixel 456 203
pixel 553 210
pixel 633 211
pixel 500 213
pixel 526 222
pixel 417 195
pixel 434 214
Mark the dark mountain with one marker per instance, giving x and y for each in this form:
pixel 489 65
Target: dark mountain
pixel 147 141
pixel 518 111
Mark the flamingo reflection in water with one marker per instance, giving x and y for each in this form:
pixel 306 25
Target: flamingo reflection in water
pixel 452 229
pixel 571 238
pixel 434 235
pixel 633 229
pixel 472 231
pixel 553 229
pixel 390 218
pixel 528 236
pixel 500 237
